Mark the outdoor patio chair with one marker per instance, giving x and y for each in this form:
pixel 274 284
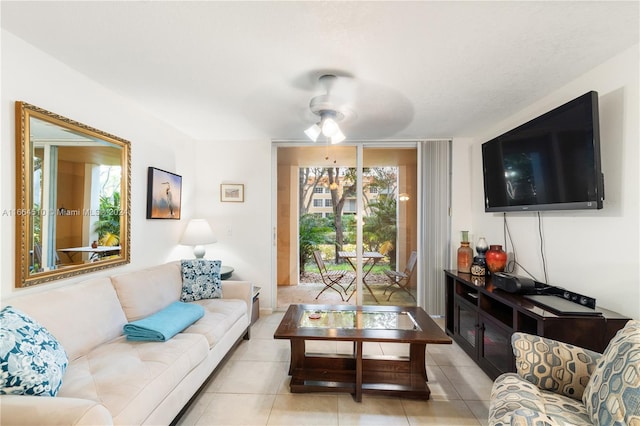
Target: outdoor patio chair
pixel 331 279
pixel 401 279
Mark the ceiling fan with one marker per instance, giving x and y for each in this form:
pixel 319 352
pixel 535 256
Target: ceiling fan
pixel 331 111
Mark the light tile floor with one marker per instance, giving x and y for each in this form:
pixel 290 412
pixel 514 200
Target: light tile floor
pixel 252 388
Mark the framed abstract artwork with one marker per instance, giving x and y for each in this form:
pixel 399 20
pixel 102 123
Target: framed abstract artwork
pixel 164 194
pixel 232 192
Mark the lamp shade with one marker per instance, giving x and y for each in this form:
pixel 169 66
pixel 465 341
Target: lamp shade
pixel 329 127
pixel 338 137
pixel 198 233
pixel 313 132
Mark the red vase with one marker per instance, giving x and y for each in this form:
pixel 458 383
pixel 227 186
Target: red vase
pixel 496 258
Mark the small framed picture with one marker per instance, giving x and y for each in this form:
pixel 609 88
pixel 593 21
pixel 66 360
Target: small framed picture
pixel 232 192
pixel 164 193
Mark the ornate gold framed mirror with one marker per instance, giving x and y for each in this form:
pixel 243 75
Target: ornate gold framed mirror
pixel 72 197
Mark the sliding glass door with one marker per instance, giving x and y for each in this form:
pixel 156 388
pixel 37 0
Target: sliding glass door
pixel 390 223
pixel 346 224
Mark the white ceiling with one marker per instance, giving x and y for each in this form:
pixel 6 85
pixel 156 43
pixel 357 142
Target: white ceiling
pixel 244 70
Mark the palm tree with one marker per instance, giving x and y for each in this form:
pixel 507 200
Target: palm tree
pixel 380 228
pixel 108 224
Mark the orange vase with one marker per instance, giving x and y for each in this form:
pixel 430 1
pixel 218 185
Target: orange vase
pixel 465 257
pixel 496 258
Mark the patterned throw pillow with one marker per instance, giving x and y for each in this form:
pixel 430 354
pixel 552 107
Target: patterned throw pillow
pixel 200 280
pixel 612 396
pixel 552 365
pixel 32 361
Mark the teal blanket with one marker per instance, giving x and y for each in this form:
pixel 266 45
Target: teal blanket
pixel 164 324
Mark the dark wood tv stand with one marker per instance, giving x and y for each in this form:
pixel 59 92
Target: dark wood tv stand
pixel 482 318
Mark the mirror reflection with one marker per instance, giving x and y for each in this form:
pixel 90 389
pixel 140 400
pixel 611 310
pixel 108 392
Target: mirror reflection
pixel 74 198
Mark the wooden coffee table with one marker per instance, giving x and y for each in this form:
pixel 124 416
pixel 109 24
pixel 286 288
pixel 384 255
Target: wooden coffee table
pixel 355 373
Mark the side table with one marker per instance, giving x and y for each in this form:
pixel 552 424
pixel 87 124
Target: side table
pixel 255 309
pixel 226 272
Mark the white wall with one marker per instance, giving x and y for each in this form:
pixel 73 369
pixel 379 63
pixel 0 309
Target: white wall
pixel 31 76
pixel 461 184
pixel 590 252
pixel 243 229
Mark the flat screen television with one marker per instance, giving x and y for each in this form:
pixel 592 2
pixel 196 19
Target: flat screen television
pixel 549 163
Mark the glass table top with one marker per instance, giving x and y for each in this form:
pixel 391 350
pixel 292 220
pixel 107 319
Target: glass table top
pixel 372 320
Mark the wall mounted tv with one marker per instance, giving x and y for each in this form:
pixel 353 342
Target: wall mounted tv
pixel 549 163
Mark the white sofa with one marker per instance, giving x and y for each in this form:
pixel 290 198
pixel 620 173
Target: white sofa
pixel 110 380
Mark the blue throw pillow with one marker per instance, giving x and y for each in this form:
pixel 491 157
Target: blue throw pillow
pixel 200 280
pixel 32 361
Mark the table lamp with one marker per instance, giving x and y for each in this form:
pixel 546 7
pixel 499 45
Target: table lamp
pixel 197 234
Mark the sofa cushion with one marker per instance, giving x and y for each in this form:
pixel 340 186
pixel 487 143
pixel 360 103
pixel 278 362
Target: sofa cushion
pixel 515 400
pixel 200 279
pixel 32 361
pixel 147 291
pixel 34 410
pixel 133 378
pixel 612 396
pixel 565 410
pixel 220 315
pixel 81 316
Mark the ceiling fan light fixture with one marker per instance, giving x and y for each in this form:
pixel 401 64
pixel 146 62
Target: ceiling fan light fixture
pixel 330 113
pixel 329 127
pixel 337 137
pixel 313 132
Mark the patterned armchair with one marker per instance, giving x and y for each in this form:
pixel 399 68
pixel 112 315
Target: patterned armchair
pixel 562 384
